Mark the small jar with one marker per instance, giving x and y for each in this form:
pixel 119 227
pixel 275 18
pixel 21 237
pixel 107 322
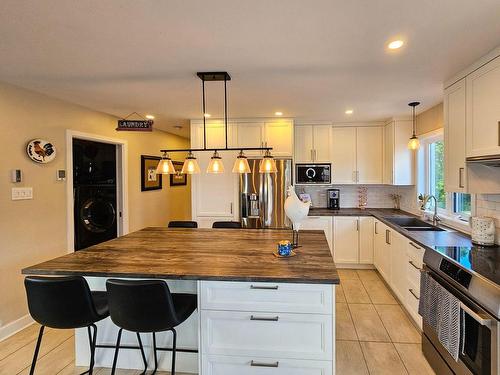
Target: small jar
pixel 284 248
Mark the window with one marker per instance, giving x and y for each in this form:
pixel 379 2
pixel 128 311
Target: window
pixel 431 179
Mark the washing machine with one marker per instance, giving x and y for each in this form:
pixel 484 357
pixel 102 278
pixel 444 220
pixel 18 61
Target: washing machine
pixel 95 215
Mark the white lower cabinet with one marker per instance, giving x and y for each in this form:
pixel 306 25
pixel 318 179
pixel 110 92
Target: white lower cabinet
pixel 252 328
pixel 353 239
pixel 323 223
pixel 232 365
pixel 399 261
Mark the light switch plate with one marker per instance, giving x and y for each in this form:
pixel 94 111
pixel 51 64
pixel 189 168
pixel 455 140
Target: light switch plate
pixel 22 193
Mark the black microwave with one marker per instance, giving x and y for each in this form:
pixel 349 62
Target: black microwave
pixel 313 173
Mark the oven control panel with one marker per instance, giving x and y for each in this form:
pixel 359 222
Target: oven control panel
pixel 456 273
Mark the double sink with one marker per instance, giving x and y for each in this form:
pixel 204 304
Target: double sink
pixel 413 224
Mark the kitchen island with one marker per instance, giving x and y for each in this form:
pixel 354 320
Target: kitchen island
pixel 237 278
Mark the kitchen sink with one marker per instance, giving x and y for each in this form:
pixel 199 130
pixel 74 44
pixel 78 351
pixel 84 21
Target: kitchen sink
pixel 413 224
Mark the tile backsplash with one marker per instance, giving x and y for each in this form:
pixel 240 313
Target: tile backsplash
pixel 489 205
pixel 378 195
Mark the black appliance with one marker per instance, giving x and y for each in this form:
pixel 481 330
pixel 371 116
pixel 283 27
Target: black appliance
pixel 94 163
pixel 313 173
pixel 95 215
pixel 471 274
pixel 333 199
pixel 94 192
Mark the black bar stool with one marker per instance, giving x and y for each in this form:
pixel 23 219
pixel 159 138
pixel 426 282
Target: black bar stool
pixel 65 303
pixel 182 224
pixel 147 306
pixel 227 224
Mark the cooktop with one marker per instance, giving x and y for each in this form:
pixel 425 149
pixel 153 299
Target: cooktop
pixel 485 261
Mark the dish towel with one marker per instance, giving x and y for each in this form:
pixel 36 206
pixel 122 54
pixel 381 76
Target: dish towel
pixel 440 310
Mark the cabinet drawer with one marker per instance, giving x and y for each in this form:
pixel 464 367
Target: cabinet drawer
pixel 413 273
pixel 270 297
pixel 416 253
pixel 229 365
pixel 269 335
pixel 411 305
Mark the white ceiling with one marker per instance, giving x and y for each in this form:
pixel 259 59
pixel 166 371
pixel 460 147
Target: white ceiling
pixel 311 59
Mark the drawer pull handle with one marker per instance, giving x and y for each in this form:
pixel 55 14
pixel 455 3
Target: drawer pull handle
pixel 264 287
pixel 415 246
pixel 260 318
pixel 414 265
pixel 413 294
pixel 262 364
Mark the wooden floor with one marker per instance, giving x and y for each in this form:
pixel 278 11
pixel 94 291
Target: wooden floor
pixel 374 337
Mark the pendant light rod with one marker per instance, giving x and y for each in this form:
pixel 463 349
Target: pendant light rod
pixel 204 114
pixel 225 108
pixel 219 149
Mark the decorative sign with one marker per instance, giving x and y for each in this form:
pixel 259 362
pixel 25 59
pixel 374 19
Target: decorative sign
pixel 135 125
pixel 41 151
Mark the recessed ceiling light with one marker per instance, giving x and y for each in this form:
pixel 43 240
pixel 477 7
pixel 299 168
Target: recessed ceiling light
pixel 349 112
pixel 150 117
pixel 178 127
pixel 207 115
pixel 395 44
pixel 278 113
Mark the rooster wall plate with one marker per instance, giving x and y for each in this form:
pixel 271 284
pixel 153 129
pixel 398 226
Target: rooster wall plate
pixel 41 151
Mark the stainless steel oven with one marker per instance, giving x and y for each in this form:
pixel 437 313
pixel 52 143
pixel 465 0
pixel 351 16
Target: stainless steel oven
pixel 479 337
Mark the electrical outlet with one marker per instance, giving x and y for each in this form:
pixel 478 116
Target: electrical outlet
pixel 22 193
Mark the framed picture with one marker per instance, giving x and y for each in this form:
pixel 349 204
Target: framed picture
pixel 178 179
pixel 149 179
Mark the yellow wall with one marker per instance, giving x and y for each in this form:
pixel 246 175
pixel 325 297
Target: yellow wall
pixel 35 230
pixel 430 120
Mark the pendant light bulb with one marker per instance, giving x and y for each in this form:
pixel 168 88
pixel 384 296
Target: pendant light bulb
pixel 190 165
pixel 414 143
pixel 165 166
pixel 241 164
pixel 215 165
pixel 268 164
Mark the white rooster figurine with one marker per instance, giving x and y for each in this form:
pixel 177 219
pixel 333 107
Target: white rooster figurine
pixel 296 210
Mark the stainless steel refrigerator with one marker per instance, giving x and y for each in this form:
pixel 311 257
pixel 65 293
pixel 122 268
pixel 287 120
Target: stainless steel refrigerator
pixel 262 196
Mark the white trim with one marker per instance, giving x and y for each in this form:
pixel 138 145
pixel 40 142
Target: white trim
pixel 122 177
pixel 14 327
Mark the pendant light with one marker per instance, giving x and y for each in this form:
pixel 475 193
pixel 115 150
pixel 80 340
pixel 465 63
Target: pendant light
pixel 190 165
pixel 268 164
pixel 414 143
pixel 165 166
pixel 215 165
pixel 241 164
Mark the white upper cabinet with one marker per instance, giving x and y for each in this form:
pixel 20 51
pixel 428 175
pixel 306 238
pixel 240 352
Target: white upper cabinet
pixel 369 155
pixel 215 134
pixel 398 159
pixel 454 136
pixel 483 110
pixel 344 155
pixel 250 134
pixel 279 136
pixel 313 143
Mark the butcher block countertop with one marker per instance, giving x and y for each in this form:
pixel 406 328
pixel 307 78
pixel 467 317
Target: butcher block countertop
pixel 200 254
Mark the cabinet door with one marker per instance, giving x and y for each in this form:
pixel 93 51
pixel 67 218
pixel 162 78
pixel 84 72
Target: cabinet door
pixel 370 155
pixel 454 135
pixel 279 136
pixel 483 110
pixel 403 157
pixel 214 194
pixel 343 155
pixel 378 243
pixel 250 134
pixel 399 261
pixel 366 240
pixel 322 136
pixel 389 153
pixel 385 254
pixel 323 223
pixel 303 144
pixel 346 239
pixel 215 134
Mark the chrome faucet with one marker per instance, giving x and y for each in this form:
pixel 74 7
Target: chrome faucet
pixel 435 218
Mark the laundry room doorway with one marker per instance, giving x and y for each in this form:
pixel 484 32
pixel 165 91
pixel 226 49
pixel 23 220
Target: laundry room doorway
pixel 97 209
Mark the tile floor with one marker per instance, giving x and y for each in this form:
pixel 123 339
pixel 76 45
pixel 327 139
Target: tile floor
pixel 374 335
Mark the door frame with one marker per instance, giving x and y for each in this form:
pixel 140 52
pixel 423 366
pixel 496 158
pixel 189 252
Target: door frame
pixel 121 185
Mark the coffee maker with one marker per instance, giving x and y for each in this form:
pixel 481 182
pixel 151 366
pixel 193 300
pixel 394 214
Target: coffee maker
pixel 333 199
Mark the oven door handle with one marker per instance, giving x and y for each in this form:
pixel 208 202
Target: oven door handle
pixel 478 318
